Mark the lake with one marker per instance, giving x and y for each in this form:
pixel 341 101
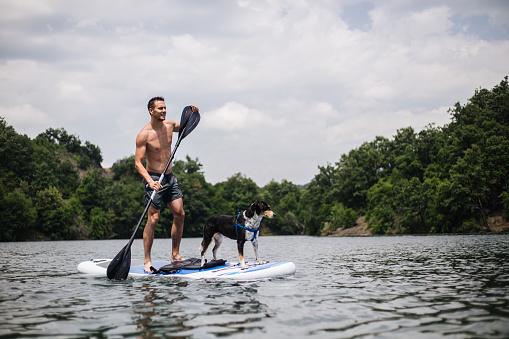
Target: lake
pixel 454 286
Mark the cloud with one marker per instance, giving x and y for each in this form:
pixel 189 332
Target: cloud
pixel 234 116
pixel 26 119
pixel 283 86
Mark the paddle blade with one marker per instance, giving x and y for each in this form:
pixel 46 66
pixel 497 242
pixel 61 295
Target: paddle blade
pixel 191 124
pixel 184 118
pixel 118 269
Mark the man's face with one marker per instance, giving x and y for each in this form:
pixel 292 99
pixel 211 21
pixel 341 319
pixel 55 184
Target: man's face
pixel 159 110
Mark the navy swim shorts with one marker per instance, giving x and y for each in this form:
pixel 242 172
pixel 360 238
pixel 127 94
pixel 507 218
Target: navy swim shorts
pixel 169 192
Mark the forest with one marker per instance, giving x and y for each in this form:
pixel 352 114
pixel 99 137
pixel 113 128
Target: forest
pixel 442 179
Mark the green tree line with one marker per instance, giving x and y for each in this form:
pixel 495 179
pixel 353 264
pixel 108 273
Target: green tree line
pixel 439 180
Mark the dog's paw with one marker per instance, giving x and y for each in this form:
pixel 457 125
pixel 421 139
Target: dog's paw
pixel 262 262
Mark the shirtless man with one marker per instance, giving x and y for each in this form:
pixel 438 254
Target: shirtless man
pixel 154 143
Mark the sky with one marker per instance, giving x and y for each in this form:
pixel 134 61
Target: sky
pixel 283 87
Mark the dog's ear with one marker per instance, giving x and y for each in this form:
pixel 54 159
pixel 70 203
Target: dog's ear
pixel 250 212
pixel 258 207
pixel 254 208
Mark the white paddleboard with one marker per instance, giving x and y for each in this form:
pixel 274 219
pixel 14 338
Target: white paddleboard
pixel 226 271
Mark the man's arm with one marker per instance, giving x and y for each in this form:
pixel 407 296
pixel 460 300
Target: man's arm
pixel 141 148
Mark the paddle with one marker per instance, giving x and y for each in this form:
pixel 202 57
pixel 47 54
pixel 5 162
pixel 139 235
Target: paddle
pixel 118 269
pixel 184 118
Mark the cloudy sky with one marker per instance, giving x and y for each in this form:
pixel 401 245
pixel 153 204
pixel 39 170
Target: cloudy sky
pixel 283 86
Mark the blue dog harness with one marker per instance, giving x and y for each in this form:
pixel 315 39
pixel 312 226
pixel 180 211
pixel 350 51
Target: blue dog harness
pixel 244 227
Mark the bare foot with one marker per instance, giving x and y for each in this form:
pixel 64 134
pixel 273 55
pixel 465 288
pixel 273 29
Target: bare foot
pixel 176 258
pixel 148 267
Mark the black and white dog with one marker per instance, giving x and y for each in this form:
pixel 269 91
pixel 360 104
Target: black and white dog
pixel 241 227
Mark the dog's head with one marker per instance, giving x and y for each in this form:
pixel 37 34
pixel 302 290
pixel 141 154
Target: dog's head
pixel 260 208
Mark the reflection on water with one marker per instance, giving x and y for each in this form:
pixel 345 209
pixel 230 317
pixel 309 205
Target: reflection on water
pixel 424 286
pixel 186 308
pixel 156 310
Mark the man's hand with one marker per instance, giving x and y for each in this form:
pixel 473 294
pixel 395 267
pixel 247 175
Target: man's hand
pixel 194 108
pixel 155 185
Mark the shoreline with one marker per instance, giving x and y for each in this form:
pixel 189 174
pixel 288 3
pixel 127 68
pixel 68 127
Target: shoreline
pixel 497 225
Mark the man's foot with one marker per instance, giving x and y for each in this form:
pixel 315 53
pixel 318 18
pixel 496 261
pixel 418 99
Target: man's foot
pixel 176 259
pixel 148 268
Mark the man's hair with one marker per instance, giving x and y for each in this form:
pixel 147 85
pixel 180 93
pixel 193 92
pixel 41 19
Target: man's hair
pixel 151 102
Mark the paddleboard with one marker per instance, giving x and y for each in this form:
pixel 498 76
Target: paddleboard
pixel 227 271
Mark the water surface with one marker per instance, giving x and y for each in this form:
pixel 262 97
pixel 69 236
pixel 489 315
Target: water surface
pixel 454 286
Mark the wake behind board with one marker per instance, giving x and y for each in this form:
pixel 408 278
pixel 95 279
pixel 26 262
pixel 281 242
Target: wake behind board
pixel 227 271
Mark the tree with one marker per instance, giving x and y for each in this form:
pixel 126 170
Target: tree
pixel 16 153
pixel 44 165
pixel 78 228
pixel 239 192
pixel 100 224
pixel 342 216
pixel 17 215
pixel 90 192
pixel 196 193
pixel 60 136
pixel 470 178
pixel 449 179
pixel 381 207
pixel 125 168
pixel 54 215
pixel 284 200
pixel 317 196
pixel 126 199
pixel 405 153
pixel 93 152
pixel 67 179
pixel 358 171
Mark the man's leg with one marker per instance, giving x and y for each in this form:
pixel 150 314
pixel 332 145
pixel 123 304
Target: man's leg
pixel 177 209
pixel 148 235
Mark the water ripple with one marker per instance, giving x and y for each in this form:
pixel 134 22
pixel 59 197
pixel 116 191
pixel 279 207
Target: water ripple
pixel 425 287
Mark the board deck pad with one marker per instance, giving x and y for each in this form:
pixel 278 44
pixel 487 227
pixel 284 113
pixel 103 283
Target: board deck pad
pixel 230 271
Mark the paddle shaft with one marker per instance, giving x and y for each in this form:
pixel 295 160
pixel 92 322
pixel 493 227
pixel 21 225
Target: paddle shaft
pixel 154 191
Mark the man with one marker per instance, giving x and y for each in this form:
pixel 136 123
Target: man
pixel 154 143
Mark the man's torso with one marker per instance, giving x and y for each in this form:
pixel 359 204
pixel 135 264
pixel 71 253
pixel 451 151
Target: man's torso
pixel 158 147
